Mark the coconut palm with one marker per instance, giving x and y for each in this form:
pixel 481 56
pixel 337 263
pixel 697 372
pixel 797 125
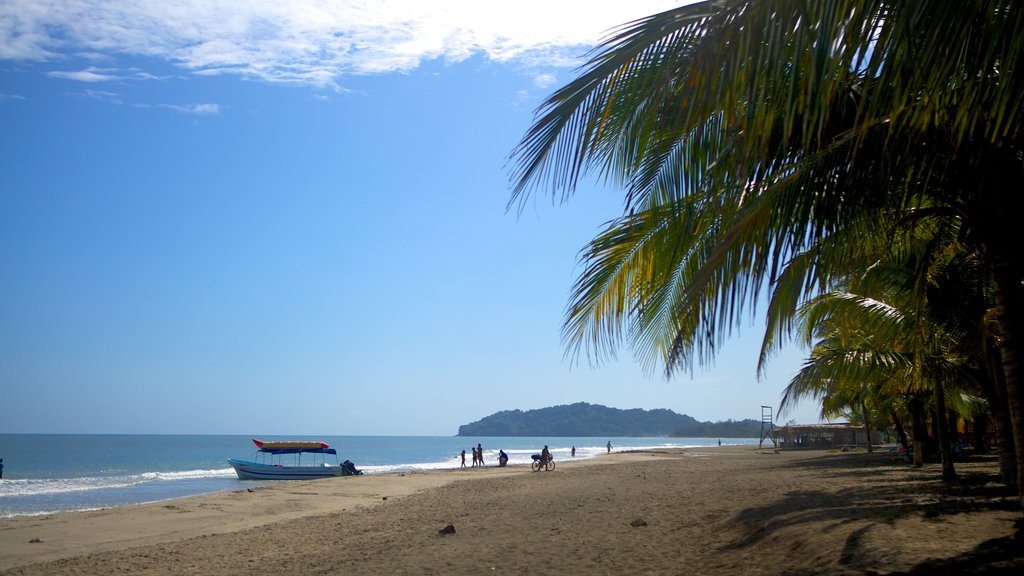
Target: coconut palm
pixel 744 133
pixel 867 351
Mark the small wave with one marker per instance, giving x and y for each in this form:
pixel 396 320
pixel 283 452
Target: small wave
pixel 9 515
pixel 43 486
pixel 419 467
pixel 191 474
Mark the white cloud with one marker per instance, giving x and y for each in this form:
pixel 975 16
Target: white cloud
pixel 4 97
pixel 90 74
pixel 311 41
pixel 142 75
pixel 111 97
pixel 544 80
pixel 93 74
pixel 197 109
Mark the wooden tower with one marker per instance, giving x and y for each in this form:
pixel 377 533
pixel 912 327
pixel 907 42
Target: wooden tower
pixel 767 428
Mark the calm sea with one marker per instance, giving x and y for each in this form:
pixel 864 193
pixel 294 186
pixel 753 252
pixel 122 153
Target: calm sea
pixel 47 473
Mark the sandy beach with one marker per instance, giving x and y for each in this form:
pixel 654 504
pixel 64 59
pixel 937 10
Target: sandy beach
pixel 708 511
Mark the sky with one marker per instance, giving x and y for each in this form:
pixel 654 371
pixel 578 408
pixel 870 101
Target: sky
pixel 290 218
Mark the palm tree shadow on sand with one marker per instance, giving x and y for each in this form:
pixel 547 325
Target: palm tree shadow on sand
pixel 887 491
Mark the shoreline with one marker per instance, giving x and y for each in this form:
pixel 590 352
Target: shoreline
pixel 714 510
pixel 68 534
pixel 59 473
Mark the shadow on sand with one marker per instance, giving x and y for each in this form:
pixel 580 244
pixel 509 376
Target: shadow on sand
pixel 886 491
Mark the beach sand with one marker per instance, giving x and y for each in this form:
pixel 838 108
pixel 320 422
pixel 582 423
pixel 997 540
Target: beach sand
pixel 730 510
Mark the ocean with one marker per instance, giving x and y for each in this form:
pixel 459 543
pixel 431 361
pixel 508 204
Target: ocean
pixel 50 473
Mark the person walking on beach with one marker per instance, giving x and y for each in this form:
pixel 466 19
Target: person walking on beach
pixel 480 453
pixel 719 442
pixel 463 459
pixel 476 458
pixel 573 451
pixel 609 446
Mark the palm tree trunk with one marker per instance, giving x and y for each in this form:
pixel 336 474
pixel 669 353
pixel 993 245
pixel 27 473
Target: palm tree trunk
pixel 1003 235
pixel 1009 298
pixel 867 424
pixel 993 385
pixel 945 440
pixel 919 428
pixel 1007 449
pixel 901 434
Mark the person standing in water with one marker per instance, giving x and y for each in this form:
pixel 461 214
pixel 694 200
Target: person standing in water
pixel 573 451
pixel 609 446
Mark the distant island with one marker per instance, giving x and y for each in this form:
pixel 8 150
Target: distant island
pixel 583 419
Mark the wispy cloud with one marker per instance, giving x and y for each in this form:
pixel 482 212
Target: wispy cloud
pixel 4 97
pixel 94 74
pixel 196 109
pixel 88 75
pixel 544 80
pixel 310 41
pixel 112 97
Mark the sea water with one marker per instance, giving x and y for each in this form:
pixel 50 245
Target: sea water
pixel 49 473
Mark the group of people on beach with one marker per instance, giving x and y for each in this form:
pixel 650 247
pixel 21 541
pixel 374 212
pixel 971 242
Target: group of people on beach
pixel 478 457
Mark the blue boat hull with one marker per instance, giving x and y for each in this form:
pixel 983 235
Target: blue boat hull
pixel 255 471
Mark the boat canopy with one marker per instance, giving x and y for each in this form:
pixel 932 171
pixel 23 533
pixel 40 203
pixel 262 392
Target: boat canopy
pixel 290 444
pixel 299 451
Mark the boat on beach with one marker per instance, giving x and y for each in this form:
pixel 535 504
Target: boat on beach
pixel 267 463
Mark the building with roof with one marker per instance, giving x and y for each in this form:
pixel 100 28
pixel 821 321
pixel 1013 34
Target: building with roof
pixel 824 436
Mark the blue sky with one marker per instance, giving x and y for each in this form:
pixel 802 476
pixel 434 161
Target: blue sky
pixel 290 218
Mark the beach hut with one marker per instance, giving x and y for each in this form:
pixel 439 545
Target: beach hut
pixel 824 436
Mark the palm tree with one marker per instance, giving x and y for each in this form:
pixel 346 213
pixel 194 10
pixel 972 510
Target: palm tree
pixel 844 372
pixel 744 133
pixel 866 350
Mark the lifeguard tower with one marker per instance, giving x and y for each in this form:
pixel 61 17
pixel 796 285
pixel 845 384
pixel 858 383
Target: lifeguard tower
pixel 767 428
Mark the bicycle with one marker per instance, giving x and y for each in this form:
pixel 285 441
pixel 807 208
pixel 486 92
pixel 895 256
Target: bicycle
pixel 545 463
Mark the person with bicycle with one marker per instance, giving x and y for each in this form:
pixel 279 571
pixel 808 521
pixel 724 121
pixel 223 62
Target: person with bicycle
pixel 543 461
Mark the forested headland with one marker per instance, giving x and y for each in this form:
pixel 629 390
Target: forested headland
pixel 583 419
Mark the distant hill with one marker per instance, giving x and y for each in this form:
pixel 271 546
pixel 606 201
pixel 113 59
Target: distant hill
pixel 583 419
